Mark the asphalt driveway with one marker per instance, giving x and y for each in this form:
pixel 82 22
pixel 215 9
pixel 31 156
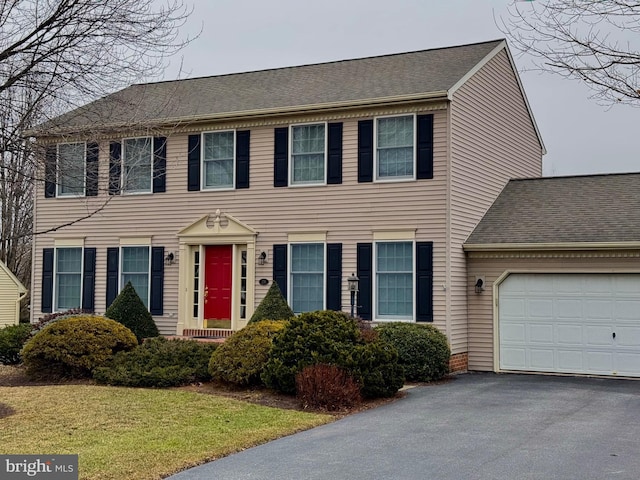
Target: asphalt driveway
pixel 478 426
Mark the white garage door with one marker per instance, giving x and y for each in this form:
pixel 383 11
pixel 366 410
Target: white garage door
pixel 570 323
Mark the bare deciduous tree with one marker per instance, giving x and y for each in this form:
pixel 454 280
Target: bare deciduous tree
pixel 595 41
pixel 56 55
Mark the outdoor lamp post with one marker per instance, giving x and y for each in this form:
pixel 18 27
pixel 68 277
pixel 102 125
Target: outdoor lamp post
pixel 353 281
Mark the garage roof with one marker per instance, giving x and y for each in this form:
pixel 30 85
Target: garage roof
pixel 593 209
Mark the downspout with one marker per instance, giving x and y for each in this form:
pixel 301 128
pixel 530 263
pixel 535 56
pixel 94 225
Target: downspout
pixel 447 281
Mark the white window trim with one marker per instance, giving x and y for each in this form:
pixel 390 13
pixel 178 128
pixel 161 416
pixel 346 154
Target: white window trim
pixel 324 271
pixel 374 293
pixel 203 187
pixel 59 176
pixel 290 152
pixel 376 178
pixel 123 157
pixel 56 308
pixel 120 272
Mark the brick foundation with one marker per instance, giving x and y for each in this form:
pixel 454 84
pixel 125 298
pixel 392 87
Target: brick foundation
pixel 458 363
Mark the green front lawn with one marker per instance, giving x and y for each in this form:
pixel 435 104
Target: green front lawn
pixel 129 433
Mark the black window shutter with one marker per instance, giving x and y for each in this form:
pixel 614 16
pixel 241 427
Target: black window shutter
pixel 157 281
pixel 47 280
pixel 159 164
pixel 424 281
pixel 281 157
pixel 242 158
pixel 365 151
pixel 334 276
pixel 115 167
pixel 50 158
pixel 193 164
pixel 280 267
pixel 365 274
pixel 89 279
pixel 91 180
pixel 334 170
pixel 112 274
pixel 425 146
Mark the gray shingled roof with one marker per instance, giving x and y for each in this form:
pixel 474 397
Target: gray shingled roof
pixel 414 73
pixel 595 208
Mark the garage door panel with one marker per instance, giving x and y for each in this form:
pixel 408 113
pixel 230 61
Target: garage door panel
pixel 513 308
pixel 539 308
pixel 599 362
pixel 570 360
pixel 565 323
pixel 627 363
pixel 540 333
pixel 568 309
pixel 599 309
pixel 514 333
pixel 598 336
pixel 541 358
pixel 627 310
pixel 514 358
pixel 569 334
pixel 628 336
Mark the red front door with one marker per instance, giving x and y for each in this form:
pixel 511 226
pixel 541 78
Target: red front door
pixel 217 282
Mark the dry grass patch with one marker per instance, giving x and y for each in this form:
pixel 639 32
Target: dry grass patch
pixel 138 434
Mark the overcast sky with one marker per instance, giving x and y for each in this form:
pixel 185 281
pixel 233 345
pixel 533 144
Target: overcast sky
pixel 581 136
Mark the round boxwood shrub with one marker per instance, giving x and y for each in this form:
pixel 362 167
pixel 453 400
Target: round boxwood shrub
pixel 128 309
pixel 423 349
pixel 241 358
pixel 332 338
pixel 12 339
pixel 158 362
pixel 74 346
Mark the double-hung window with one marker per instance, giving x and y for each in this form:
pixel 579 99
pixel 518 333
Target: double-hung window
pixel 395 147
pixel 68 278
pixel 394 280
pixel 308 154
pixel 135 268
pixel 71 169
pixel 307 277
pixel 218 157
pixel 137 165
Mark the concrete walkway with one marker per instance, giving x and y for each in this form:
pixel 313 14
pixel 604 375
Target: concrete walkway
pixel 478 426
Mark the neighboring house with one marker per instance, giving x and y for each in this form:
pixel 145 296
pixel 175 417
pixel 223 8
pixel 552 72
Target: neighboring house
pixel 560 261
pixel 11 293
pixel 209 189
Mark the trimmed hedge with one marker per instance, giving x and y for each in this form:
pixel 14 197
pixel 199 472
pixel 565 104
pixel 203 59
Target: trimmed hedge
pixel 241 358
pixel 128 309
pixel 272 307
pixel 74 346
pixel 158 362
pixel 423 349
pixel 332 338
pixel 12 339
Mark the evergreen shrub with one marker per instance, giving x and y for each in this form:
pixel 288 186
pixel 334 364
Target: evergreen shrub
pixel 12 339
pixel 74 346
pixel 158 362
pixel 128 309
pixel 272 307
pixel 423 350
pixel 241 358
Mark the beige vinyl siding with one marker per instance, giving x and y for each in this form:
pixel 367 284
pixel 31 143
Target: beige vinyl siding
pixel 492 265
pixel 348 212
pixel 9 296
pixel 493 139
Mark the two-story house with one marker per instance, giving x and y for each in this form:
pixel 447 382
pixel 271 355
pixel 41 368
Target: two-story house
pixel 202 192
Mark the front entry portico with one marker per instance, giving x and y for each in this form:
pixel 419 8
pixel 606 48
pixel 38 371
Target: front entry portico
pixel 217 275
